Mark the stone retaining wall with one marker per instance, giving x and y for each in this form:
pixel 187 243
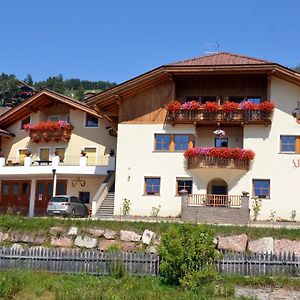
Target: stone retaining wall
pixel 215 215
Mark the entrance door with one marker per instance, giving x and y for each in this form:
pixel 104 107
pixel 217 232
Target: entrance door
pixel 15 196
pixel 44 192
pixel 219 190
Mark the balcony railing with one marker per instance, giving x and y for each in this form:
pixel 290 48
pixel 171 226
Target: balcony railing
pixel 214 200
pixel 202 116
pixel 38 135
pixel 216 162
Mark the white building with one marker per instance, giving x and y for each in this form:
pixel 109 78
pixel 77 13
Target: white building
pixel 151 168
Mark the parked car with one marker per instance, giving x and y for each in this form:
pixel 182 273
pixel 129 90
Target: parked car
pixel 66 206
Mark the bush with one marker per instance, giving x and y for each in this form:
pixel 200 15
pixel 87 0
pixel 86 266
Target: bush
pixel 188 255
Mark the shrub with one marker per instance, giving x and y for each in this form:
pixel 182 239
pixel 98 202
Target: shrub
pixel 126 205
pixel 188 254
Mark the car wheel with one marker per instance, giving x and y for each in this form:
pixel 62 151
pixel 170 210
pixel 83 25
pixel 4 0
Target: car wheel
pixel 73 215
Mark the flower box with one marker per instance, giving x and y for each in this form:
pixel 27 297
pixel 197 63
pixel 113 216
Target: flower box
pixel 49 131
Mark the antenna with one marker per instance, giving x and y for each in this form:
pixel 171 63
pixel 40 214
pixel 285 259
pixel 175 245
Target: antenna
pixel 214 46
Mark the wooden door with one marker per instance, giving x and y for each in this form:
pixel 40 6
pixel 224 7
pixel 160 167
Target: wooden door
pixel 15 196
pixel 44 154
pixel 44 192
pixel 22 156
pixel 91 156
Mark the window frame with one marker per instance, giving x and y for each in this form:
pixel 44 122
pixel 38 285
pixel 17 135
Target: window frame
pixel 221 138
pixel 253 188
pixel 21 126
pixel 58 117
pixel 145 186
pixel 86 118
pixel 172 145
pixel 183 179
pixel 81 193
pixel 296 145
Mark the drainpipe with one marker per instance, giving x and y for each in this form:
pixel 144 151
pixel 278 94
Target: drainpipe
pixel 54 181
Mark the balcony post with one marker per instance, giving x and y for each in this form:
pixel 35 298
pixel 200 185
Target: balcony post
pixel 2 161
pixel 83 161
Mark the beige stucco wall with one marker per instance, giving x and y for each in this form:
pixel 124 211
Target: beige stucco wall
pixel 135 161
pixel 81 137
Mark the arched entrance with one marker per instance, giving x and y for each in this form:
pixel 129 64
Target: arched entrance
pixel 217 186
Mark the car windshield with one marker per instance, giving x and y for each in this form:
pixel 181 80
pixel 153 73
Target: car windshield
pixel 59 199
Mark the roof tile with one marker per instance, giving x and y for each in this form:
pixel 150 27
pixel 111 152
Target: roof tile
pixel 221 58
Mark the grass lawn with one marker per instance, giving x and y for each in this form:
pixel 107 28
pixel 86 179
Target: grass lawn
pixel 40 285
pixel 42 225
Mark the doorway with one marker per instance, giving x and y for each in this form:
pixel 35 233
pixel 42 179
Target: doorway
pixel 15 196
pixel 44 192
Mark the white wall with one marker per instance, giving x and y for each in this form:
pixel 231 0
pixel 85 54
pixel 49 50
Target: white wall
pixel 137 159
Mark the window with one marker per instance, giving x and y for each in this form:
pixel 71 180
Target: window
pixel 173 142
pixel 162 142
pixel 15 189
pixel 254 100
pixel 54 118
pixel 84 197
pixel 61 153
pixel 183 184
pixel 205 99
pixel 24 122
pixel 44 153
pixel 181 142
pixel 152 186
pixel 289 144
pixel 221 142
pixel 91 121
pixel 74 199
pixel 261 188
pixel 192 98
pixel 25 188
pixel 5 189
pixel 236 99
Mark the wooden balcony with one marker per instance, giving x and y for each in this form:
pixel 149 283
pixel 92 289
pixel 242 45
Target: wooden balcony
pixel 232 201
pixel 216 162
pixel 37 135
pixel 236 117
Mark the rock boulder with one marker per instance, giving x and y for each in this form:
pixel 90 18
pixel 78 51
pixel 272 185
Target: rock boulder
pixel 287 246
pixel 129 236
pixel 236 243
pixel 85 242
pixel 63 241
pixel 147 236
pixel 262 245
pixel 110 234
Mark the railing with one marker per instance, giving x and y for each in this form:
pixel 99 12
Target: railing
pixel 237 116
pixel 76 160
pixel 216 162
pixel 102 192
pixel 37 135
pixel 214 200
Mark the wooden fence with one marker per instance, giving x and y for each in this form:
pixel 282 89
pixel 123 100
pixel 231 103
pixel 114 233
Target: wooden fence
pixel 260 264
pixel 77 261
pixel 138 263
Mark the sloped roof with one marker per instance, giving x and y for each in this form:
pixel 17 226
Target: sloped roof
pixel 41 99
pixel 218 63
pixel 221 58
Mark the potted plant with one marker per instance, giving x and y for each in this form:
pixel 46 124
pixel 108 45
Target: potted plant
pixel 83 153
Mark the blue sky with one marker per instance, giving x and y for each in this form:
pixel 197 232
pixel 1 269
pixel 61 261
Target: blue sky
pixel 117 40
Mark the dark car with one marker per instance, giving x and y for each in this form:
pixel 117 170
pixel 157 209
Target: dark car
pixel 66 206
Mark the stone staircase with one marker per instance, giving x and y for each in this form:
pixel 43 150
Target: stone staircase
pixel 106 210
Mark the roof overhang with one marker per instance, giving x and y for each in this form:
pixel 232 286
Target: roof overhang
pixel 43 98
pixel 108 101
